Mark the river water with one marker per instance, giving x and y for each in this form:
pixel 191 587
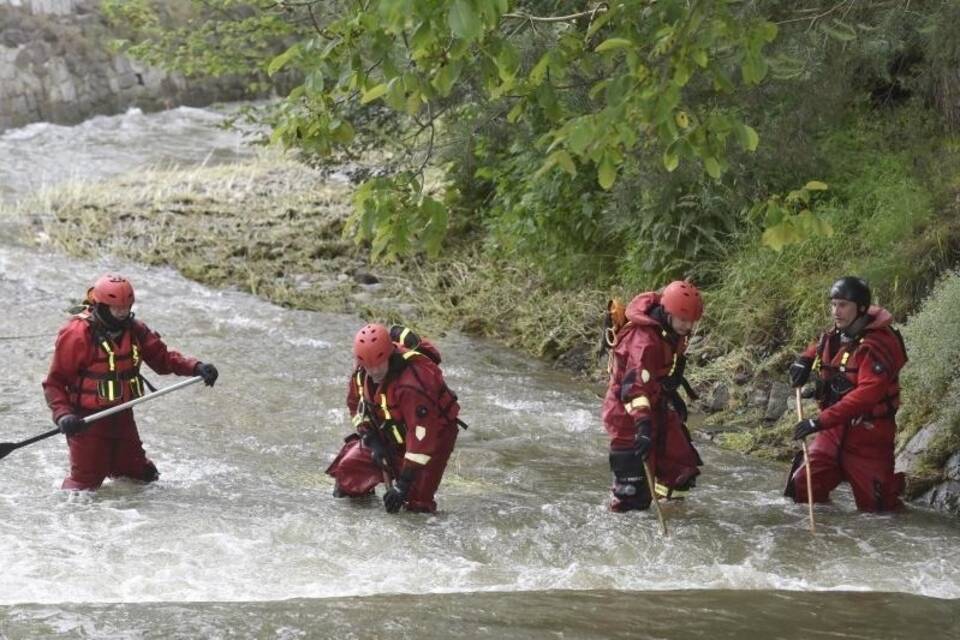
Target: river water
pixel 241 538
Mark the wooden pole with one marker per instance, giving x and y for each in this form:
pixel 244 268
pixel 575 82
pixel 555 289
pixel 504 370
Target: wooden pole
pixel 653 496
pixel 806 465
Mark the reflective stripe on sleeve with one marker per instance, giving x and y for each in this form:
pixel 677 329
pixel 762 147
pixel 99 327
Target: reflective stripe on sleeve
pixel 419 458
pixel 637 403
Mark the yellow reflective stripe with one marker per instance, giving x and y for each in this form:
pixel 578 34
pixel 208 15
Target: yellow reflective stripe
pixel 665 492
pixel 644 376
pixel 357 419
pixel 409 354
pixel 111 360
pixel 383 405
pixel 637 403
pixel 673 366
pixel 419 458
pixel 135 355
pixel 396 435
pixel 111 392
pixel 404 334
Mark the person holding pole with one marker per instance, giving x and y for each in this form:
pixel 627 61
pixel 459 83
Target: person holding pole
pixel 96 365
pixel 406 420
pixel 643 412
pixel 857 365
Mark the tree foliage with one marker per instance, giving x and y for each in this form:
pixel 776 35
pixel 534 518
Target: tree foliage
pixel 595 86
pixel 563 130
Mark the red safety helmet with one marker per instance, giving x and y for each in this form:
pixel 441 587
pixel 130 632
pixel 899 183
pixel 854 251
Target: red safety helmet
pixel 683 300
pixel 372 345
pixel 112 290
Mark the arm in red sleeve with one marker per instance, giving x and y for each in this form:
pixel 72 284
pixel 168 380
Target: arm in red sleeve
pixel 873 381
pixel 68 357
pixel 353 396
pixel 419 411
pixel 639 387
pixel 158 357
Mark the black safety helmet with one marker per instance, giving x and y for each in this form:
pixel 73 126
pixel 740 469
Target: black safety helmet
pixel 853 289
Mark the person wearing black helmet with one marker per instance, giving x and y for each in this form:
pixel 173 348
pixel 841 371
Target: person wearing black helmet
pixel 857 365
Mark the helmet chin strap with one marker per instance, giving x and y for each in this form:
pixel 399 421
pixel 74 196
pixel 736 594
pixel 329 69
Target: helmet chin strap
pixel 104 317
pixel 855 328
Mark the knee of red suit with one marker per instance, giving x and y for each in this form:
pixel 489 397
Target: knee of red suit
pixel 78 481
pixel 355 472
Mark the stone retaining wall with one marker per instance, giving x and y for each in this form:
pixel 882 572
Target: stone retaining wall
pixel 55 66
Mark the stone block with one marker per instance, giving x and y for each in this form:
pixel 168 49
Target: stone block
pixel 944 497
pixel 909 457
pixel 776 401
pixel 952 468
pixel 719 398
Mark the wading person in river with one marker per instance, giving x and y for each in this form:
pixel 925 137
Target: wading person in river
pixel 857 365
pixel 643 412
pixel 96 365
pixel 406 421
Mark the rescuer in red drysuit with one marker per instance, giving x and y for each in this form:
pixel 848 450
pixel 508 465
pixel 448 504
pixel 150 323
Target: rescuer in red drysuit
pixel 643 411
pixel 858 390
pixel 96 365
pixel 406 421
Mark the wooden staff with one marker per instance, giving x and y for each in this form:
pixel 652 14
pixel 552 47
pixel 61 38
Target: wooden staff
pixel 806 465
pixel 653 496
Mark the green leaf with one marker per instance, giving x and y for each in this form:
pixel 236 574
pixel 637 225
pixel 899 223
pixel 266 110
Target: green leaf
pixel 774 214
pixel 540 70
pixel 748 137
pixel 463 20
pixel 517 111
pixel 421 41
pixel 373 93
pixel 778 236
pixel 700 57
pixel 613 43
pixel 754 68
pixel 435 228
pixel 508 60
pixel 446 77
pixel 566 162
pixel 768 31
pixel 670 160
pixel 560 157
pixel 581 133
pixel 712 165
pixel 816 185
pixel 343 133
pixel 839 31
pixel 607 172
pixel 281 60
pixel 396 99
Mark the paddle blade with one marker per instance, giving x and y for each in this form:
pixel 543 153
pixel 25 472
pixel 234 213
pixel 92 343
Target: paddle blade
pixel 7 447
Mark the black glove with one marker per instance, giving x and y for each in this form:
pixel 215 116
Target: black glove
pixel 372 442
pixel 800 372
pixel 396 495
pixel 71 424
pixel 206 371
pixel 805 427
pixel 642 441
